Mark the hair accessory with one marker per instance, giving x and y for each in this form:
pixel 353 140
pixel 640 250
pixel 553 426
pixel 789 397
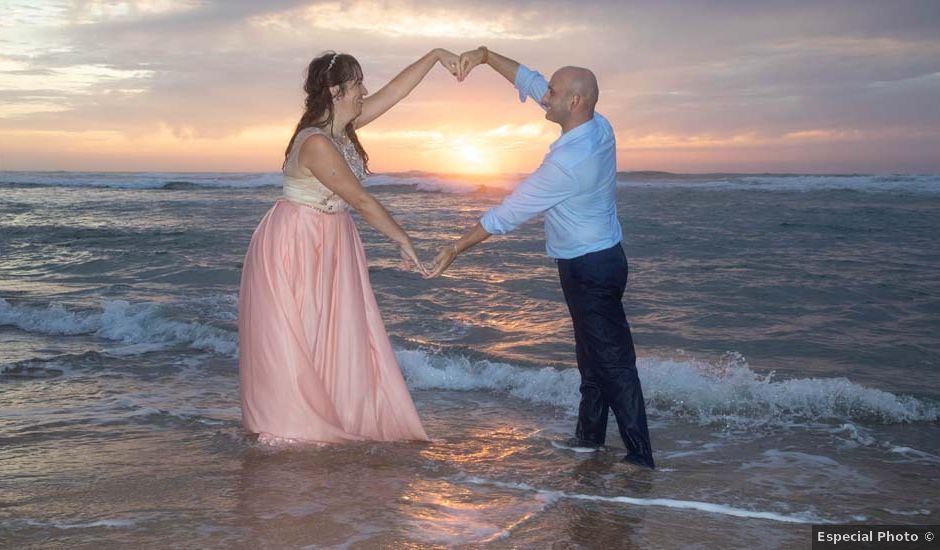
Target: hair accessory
pixel 332 61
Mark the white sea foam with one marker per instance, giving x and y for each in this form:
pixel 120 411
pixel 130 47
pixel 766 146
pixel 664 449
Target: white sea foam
pixel 918 512
pixel 53 319
pixel 558 445
pixel 142 180
pixel 709 507
pixel 143 325
pixel 455 184
pixel 728 392
pixel 856 435
pixel 725 392
pixel 909 183
pixel 425 183
pixel 915 454
pixel 181 180
pixel 853 436
pixel 431 371
pixel 106 523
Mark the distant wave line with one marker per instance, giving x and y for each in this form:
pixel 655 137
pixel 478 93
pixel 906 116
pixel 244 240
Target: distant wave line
pixel 456 183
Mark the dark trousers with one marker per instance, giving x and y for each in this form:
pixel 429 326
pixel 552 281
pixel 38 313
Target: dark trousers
pixel 593 285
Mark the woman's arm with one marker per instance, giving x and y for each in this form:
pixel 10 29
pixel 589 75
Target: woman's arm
pixel 375 105
pixel 319 155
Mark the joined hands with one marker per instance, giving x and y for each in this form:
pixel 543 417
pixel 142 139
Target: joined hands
pixel 459 66
pixel 410 259
pixel 449 60
pixel 470 59
pixel 442 261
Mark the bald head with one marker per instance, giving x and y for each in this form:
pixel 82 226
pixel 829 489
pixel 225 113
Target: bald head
pixel 581 82
pixel 570 98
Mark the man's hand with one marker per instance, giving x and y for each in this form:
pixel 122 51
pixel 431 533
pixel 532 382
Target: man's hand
pixel 444 258
pixel 469 60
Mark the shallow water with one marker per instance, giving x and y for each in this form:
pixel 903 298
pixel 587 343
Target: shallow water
pixel 787 331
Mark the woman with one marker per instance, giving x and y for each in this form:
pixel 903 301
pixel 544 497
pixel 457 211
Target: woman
pixel 315 362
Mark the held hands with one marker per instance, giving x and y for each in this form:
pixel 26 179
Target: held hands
pixel 461 66
pixel 410 259
pixel 449 61
pixel 442 261
pixel 470 59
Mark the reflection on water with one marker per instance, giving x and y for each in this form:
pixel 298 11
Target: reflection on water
pixel 480 447
pixel 119 418
pixel 315 496
pixel 444 512
pixel 389 494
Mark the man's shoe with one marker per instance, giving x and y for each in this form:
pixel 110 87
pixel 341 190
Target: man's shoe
pixel 576 443
pixel 639 460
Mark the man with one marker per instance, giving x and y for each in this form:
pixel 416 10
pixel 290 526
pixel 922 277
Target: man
pixel 576 189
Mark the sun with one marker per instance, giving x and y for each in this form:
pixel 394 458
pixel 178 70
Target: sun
pixel 472 154
pixel 472 158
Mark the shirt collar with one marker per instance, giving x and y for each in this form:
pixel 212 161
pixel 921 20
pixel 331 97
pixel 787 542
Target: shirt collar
pixel 575 133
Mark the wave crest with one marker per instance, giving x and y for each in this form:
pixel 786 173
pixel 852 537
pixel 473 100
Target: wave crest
pixel 120 321
pixel 895 183
pixel 727 392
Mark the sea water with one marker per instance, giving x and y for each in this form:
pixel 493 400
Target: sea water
pixel 787 327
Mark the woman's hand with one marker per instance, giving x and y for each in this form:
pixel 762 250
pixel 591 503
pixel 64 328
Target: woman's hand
pixel 410 258
pixel 448 59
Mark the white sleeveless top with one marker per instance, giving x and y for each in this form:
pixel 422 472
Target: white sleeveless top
pixel 305 189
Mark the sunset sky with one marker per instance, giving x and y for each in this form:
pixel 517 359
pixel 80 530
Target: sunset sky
pixel 733 86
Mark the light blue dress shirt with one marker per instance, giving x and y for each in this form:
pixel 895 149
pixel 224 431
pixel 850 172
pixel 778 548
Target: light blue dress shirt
pixel 575 186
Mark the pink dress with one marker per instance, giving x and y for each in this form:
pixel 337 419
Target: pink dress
pixel 315 363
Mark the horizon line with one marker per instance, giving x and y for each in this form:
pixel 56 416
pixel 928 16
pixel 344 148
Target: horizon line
pixel 488 176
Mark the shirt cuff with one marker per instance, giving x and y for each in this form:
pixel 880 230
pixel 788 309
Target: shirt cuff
pixel 491 223
pixel 524 76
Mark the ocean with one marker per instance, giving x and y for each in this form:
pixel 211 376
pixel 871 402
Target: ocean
pixel 787 327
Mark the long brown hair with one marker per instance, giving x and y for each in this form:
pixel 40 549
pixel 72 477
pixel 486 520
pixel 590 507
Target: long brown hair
pixel 328 69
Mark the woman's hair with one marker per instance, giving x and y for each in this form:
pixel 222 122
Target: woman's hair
pixel 329 69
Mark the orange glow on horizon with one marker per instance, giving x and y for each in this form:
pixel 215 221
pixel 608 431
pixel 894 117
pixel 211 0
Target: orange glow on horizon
pixel 784 98
pixel 453 150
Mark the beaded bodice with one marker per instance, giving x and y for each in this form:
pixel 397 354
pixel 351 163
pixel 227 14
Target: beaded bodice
pixel 301 186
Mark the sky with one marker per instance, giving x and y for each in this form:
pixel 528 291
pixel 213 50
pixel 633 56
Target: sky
pixel 689 86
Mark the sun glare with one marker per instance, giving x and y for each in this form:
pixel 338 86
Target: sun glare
pixel 471 157
pixel 471 154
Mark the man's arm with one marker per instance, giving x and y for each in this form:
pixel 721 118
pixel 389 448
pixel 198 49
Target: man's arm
pixel 501 64
pixel 543 189
pixel 448 253
pixel 529 83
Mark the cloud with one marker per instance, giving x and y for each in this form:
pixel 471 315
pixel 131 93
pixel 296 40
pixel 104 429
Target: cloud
pixel 409 19
pixel 691 74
